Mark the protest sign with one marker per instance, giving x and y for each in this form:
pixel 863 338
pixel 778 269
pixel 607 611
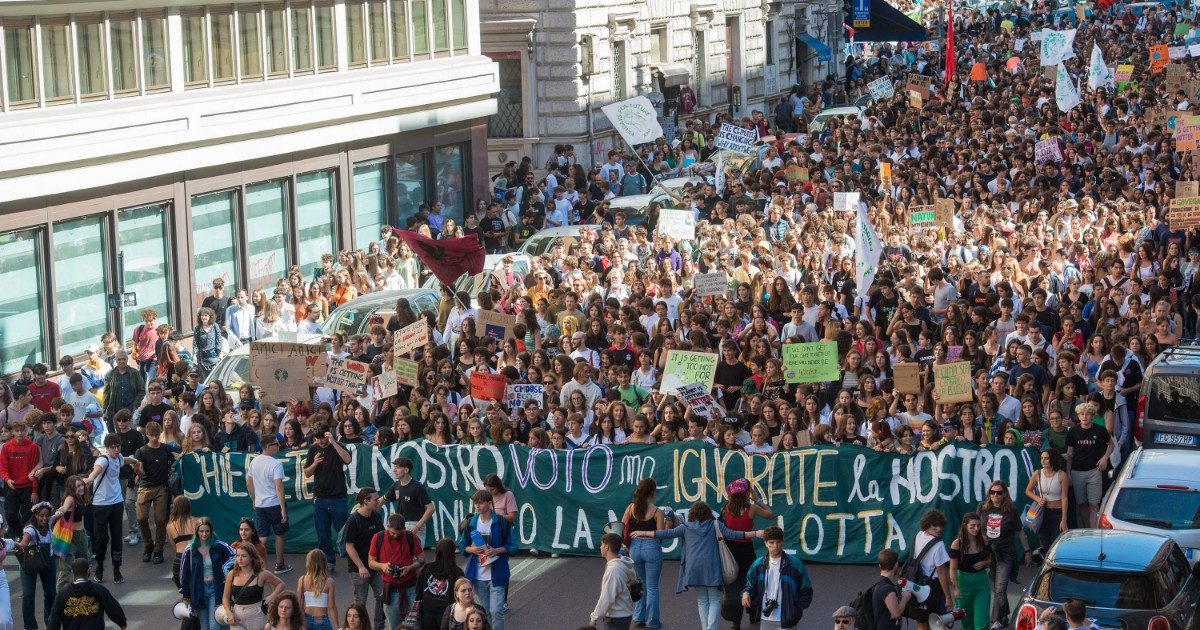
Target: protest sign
pixel 908 377
pixel 1124 73
pixel 915 100
pixel 815 362
pixel 384 385
pixel 495 325
pixel 487 386
pixel 1187 131
pixel 943 213
pixel 978 72
pixel 347 375
pixel 262 353
pixel 885 177
pixel 678 224
pixel 921 216
pixel 1184 213
pixel 952 382
pixel 1177 52
pixel 700 400
pixel 795 173
pixel 635 119
pixel 517 394
pixel 735 138
pixel 406 372
pixel 710 284
pixel 1160 56
pixel 846 201
pixel 280 378
pixel 835 504
pixel 685 367
pixel 1187 189
pixel 953 352
pixel 1194 50
pixel 919 83
pixel 1047 151
pixel 881 88
pixel 411 337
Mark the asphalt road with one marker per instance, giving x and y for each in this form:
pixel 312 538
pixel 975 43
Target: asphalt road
pixel 546 593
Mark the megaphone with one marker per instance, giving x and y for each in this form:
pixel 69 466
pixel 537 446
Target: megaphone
pixel 920 592
pixel 946 621
pixel 614 527
pixel 181 610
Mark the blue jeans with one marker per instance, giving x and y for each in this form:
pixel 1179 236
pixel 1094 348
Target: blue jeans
pixel 395 609
pixel 329 513
pixel 647 559
pixel 491 597
pixel 29 596
pixel 708 602
pixel 312 623
pixel 207 619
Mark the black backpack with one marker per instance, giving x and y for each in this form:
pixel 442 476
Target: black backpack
pixel 911 569
pixel 864 606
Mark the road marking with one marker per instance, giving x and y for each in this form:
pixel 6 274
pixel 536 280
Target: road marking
pixel 529 569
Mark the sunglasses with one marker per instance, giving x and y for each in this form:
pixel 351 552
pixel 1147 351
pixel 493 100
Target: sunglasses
pixel 995 492
pixel 841 622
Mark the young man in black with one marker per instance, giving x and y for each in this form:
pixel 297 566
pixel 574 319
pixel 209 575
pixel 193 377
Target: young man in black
pixel 414 501
pixel 1088 449
pixel 361 526
pixel 325 463
pixel 153 407
pixel 131 441
pixel 153 465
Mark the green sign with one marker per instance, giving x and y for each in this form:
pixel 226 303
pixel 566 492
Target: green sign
pixel 815 362
pixel 922 218
pixel 685 368
pixel 835 504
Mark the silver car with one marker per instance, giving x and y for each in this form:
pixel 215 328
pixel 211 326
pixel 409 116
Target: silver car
pixel 1158 492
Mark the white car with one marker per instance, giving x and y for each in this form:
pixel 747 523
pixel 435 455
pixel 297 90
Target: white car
pixel 1158 492
pixel 541 242
pixel 482 281
pixel 821 119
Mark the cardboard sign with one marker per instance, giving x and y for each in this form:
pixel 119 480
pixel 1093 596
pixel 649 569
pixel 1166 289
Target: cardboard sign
pixel 406 372
pixel 953 352
pixel 411 337
pixel 978 72
pixel 846 201
pixel 943 213
pixel 881 88
pixel 815 362
pixel 921 216
pixel 1047 151
pixel 495 325
pixel 486 386
pixel 736 139
pixel 281 378
pixel 1160 56
pixel 685 367
pixel 907 378
pixel 264 353
pixel 795 173
pixel 915 100
pixel 919 83
pixel 517 394
pixel 952 382
pixel 1187 132
pixel 678 224
pixel 885 177
pixel 1184 213
pixel 346 375
pixel 1177 52
pixel 1187 189
pixel 1124 73
pixel 710 284
pixel 384 385
pixel 700 400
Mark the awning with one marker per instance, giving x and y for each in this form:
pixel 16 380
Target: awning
pixel 888 24
pixel 824 54
pixel 673 74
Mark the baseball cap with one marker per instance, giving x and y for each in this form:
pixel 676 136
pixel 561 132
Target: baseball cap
pixel 91 348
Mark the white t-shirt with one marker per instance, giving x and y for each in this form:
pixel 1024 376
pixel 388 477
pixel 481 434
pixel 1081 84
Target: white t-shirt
pixel 485 530
pixel 263 472
pixel 934 558
pixel 771 587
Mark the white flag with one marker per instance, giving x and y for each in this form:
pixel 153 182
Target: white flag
pixel 1066 96
pixel 867 251
pixel 635 119
pixel 1098 75
pixel 1057 46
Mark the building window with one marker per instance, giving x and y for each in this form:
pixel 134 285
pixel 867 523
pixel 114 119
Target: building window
pixel 143 238
pixel 21 319
pixel 58 82
pixel 400 30
pixel 450 171
pixel 316 204
pixel 370 201
pixel 620 70
pixel 250 44
pixel 302 39
pixel 769 41
pixel 20 66
pixel 700 68
pixel 195 50
pixel 89 45
pixel 507 122
pixel 214 244
pixel 266 233
pixel 356 39
pixel 410 184
pixel 277 41
pixel 326 44
pixel 80 286
pixel 377 19
pixel 441 34
pixel 156 70
pixel 220 25
pixel 122 39
pixel 458 21
pixel 420 28
pixel 660 50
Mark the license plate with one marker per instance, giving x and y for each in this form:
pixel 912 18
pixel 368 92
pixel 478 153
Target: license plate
pixel 1175 439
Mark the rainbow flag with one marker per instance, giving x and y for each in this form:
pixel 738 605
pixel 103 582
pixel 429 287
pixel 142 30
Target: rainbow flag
pixel 61 534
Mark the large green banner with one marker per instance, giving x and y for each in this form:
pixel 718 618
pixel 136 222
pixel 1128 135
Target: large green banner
pixel 835 504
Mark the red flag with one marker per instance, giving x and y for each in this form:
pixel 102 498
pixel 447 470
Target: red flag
pixel 448 258
pixel 949 46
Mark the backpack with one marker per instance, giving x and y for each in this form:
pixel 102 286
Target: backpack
pixel 864 607
pixel 911 569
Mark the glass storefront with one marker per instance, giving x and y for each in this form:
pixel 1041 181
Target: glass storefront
pixel 80 283
pixel 266 233
pixel 21 316
pixel 142 233
pixel 410 185
pixel 214 242
pixel 370 201
pixel 450 178
pixel 316 211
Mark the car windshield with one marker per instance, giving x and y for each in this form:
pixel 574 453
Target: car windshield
pixel 1174 398
pixel 1125 591
pixel 538 246
pixel 345 320
pixel 1159 507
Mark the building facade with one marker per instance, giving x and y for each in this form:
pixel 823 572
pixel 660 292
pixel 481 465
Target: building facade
pixel 561 60
pixel 146 149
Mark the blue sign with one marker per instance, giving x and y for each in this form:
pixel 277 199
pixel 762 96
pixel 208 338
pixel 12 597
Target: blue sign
pixel 862 13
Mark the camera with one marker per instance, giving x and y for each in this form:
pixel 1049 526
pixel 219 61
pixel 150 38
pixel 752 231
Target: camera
pixel 394 571
pixel 769 607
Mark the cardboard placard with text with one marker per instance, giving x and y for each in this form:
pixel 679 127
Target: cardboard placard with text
pixel 952 382
pixel 943 213
pixel 495 325
pixel 1184 213
pixel 406 372
pixel 1187 189
pixel 347 375
pixel 487 386
pixel 706 284
pixel 411 337
pixel 907 377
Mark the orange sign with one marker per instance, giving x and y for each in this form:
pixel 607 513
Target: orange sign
pixel 978 72
pixel 486 386
pixel 1160 56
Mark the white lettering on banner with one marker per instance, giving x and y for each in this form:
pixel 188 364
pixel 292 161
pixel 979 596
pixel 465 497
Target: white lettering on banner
pixel 881 88
pixel 736 139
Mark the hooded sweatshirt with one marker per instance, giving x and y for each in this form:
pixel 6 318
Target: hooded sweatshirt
pixel 83 605
pixel 17 460
pixel 615 600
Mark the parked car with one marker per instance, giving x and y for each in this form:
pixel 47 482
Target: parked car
pixel 1168 410
pixel 351 318
pixel 482 281
pixel 1157 492
pixel 541 242
pixel 1128 580
pixel 822 118
pixel 233 369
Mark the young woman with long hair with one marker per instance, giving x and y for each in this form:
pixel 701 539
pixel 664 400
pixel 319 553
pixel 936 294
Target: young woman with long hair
pixel 317 588
pixel 969 560
pixel 1048 487
pixel 181 527
pixel 642 515
pixel 247 586
pixel 202 573
pixel 357 618
pixel 248 537
pixel 434 584
pixel 37 534
pixel 284 613
pixel 455 615
pixel 1002 524
pixel 76 498
pixel 738 515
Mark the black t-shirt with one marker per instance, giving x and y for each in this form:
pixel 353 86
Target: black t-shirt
pixel 493 224
pixel 412 498
pixel 626 356
pixel 156 465
pixel 883 616
pixel 329 480
pixel 131 441
pixel 359 531
pixel 1089 445
pixel 734 373
pixel 885 307
pixel 999 527
pixel 153 413
pixel 218 305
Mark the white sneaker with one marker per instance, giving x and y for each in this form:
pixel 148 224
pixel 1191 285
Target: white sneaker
pixel 133 540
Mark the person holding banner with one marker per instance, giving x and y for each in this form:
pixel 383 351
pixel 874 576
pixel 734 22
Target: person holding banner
pixel 323 463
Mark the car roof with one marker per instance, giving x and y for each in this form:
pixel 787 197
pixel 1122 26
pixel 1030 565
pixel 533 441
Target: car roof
pixel 1150 467
pixel 1122 551
pixel 382 298
pixel 1178 356
pixel 491 261
pixel 851 110
pixel 565 230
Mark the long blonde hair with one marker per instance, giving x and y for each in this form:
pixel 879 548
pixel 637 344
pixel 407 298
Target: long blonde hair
pixel 316 570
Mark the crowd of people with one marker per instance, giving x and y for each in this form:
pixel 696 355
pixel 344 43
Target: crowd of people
pixel 1059 281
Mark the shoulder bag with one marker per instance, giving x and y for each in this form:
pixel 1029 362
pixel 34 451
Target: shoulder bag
pixel 729 567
